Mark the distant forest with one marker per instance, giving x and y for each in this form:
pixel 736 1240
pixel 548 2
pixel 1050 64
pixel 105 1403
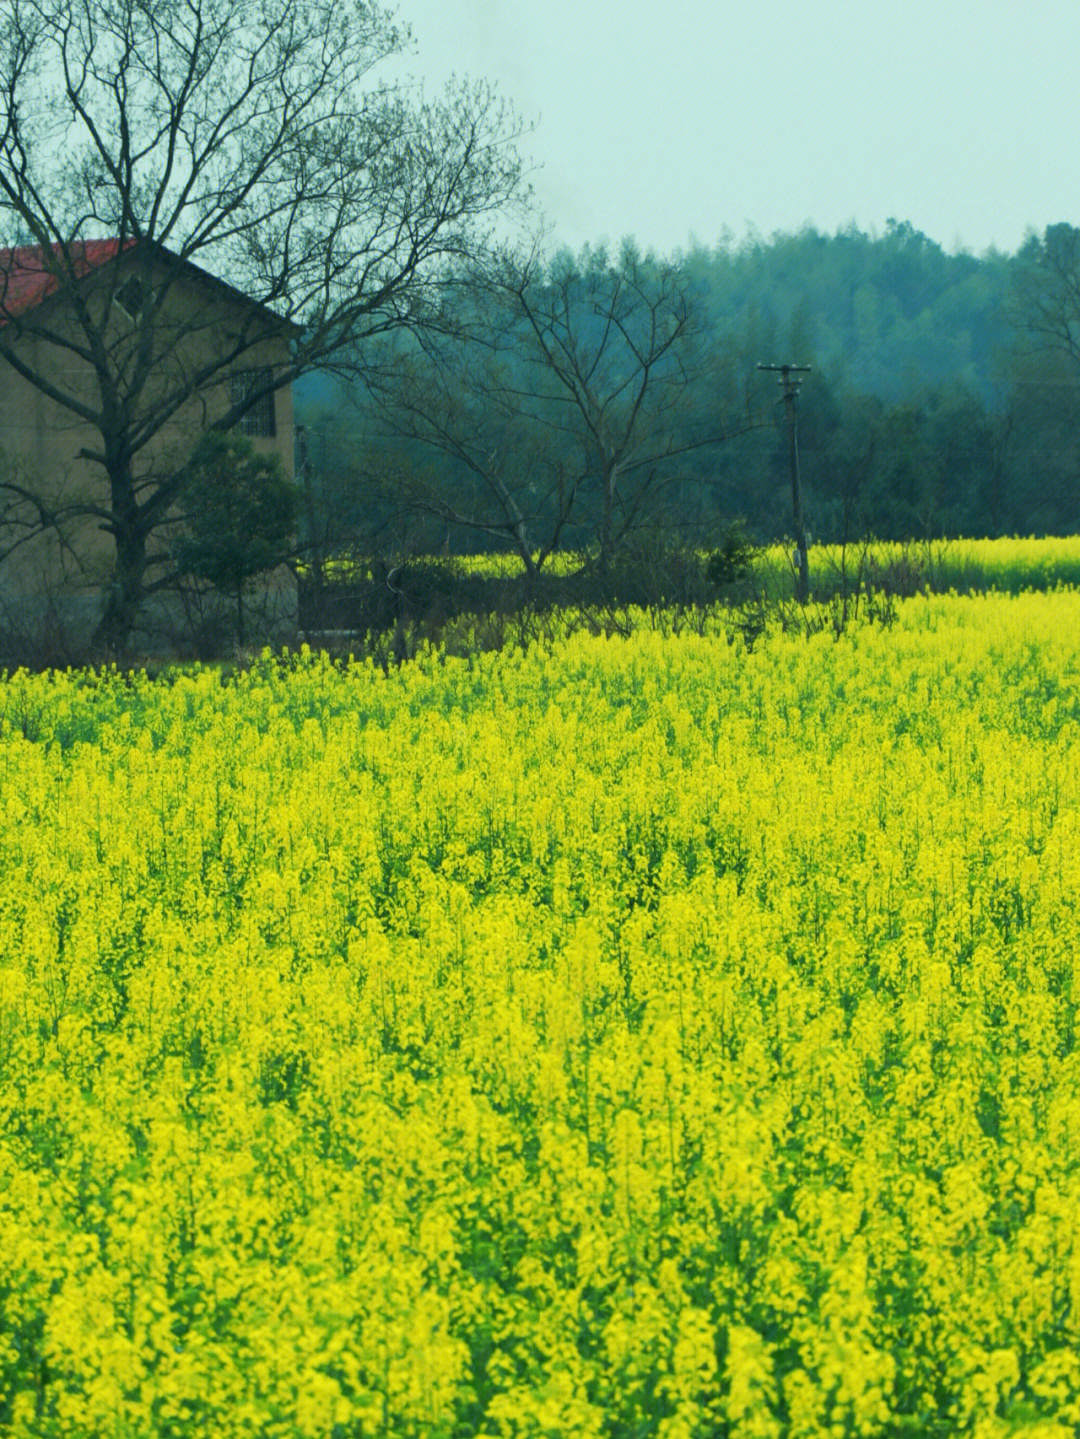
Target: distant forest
pixel 943 399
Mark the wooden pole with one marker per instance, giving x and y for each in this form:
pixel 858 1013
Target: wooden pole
pixel 790 387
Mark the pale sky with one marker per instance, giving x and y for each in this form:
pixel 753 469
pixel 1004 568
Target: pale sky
pixel 680 119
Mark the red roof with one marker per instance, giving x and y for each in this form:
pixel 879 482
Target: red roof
pixel 25 281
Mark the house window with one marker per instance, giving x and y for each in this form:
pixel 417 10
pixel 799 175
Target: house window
pixel 260 420
pixel 130 297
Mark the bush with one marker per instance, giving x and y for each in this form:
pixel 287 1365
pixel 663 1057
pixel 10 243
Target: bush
pixel 734 559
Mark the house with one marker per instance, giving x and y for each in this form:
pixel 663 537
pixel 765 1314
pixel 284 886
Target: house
pixel 179 348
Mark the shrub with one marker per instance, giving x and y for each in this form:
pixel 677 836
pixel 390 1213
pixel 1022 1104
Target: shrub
pixel 734 558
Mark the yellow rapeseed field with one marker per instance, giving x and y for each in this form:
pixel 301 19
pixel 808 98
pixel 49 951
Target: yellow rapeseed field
pixel 1010 564
pixel 629 1037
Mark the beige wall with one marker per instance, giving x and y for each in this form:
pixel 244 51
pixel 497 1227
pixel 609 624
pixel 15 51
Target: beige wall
pixel 41 441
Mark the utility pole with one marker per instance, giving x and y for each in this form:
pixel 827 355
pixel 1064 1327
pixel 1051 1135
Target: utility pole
pixel 790 387
pixel 303 470
pixel 311 596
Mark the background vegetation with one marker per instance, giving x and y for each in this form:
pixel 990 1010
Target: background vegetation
pixel 944 401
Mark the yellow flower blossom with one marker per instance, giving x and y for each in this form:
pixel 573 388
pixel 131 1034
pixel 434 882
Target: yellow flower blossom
pixel 624 1036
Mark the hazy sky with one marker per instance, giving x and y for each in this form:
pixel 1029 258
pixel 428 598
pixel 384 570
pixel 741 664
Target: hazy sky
pixel 679 119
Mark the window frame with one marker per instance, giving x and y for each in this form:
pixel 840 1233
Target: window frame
pixel 126 287
pixel 260 421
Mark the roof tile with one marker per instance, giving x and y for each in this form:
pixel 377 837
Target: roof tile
pixel 25 279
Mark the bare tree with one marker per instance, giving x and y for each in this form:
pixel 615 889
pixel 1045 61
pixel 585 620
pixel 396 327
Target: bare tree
pixel 630 365
pixel 472 436
pixel 569 392
pixel 247 137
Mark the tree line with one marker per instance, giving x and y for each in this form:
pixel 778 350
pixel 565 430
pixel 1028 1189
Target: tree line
pixel 592 401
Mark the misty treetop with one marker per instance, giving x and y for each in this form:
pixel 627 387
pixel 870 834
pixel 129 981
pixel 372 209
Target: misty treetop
pixel 889 314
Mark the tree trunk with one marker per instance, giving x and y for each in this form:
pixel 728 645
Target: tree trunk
pixel 126 589
pixel 521 543
pixel 125 595
pixel 607 518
